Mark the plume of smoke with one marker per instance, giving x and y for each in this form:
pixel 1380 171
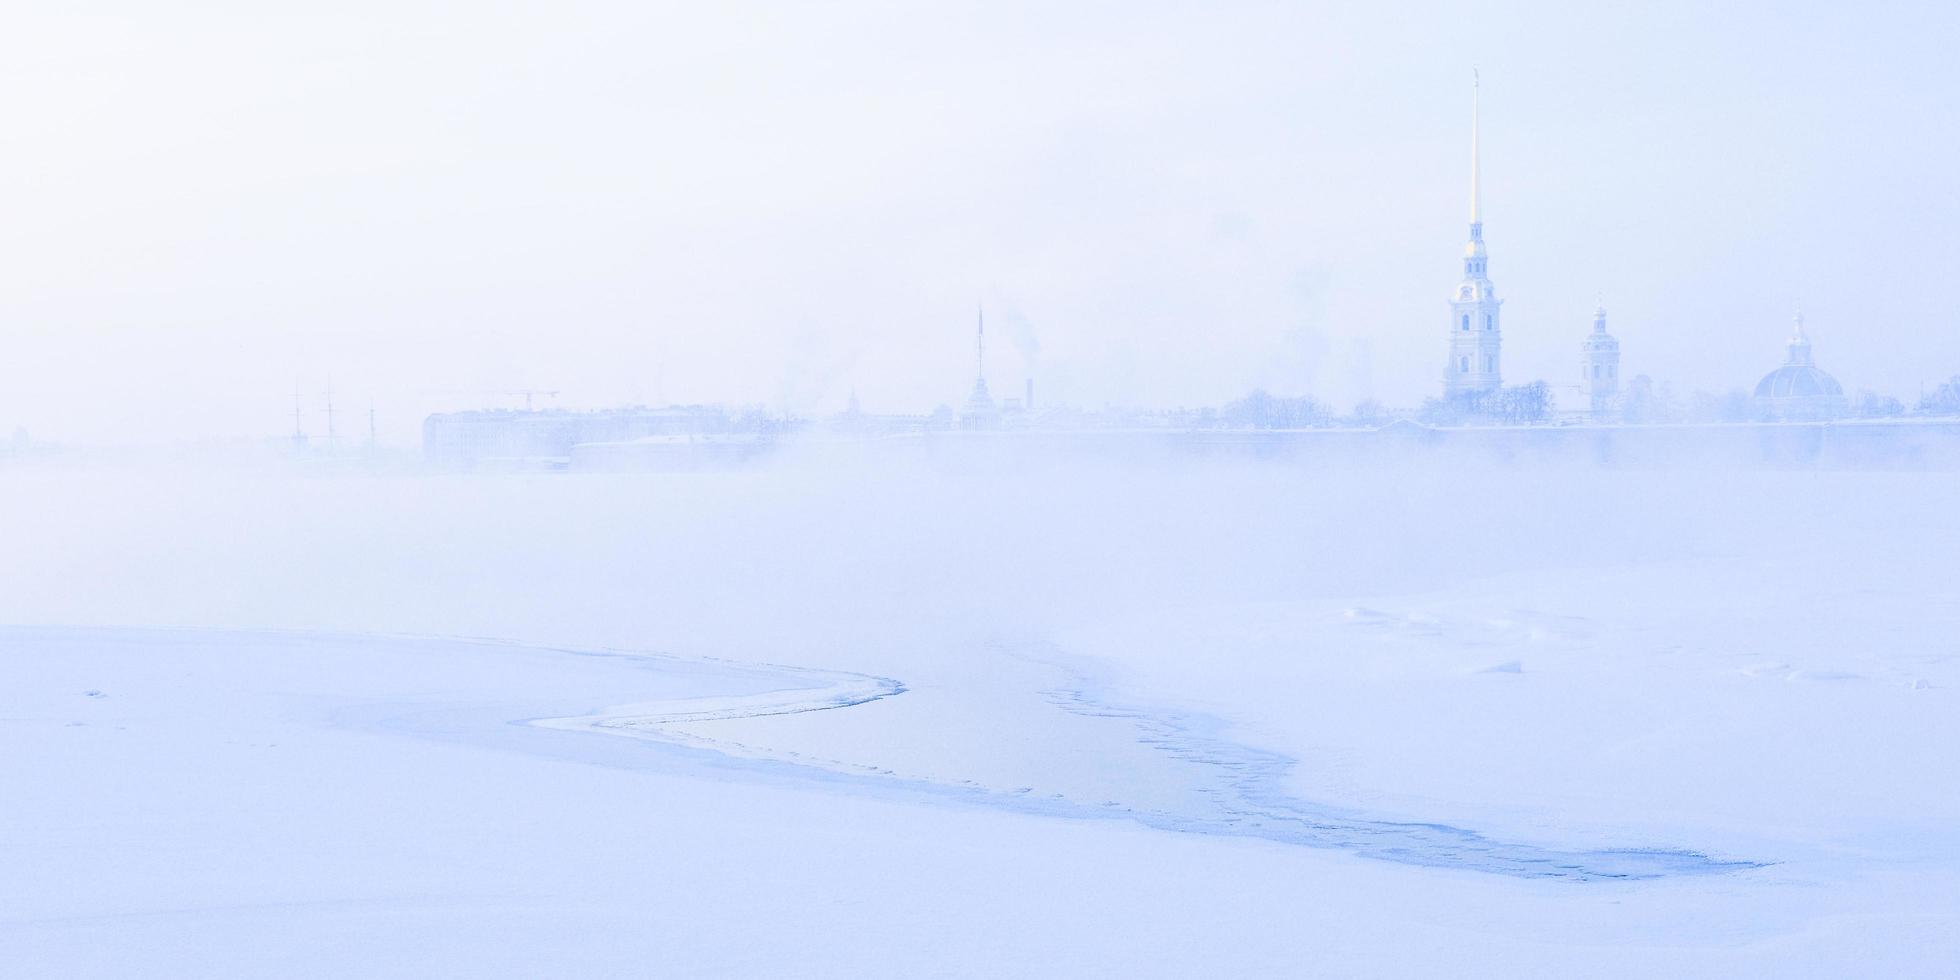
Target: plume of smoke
pixel 813 370
pixel 1020 330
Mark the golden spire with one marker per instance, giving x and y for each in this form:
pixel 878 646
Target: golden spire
pixel 1476 188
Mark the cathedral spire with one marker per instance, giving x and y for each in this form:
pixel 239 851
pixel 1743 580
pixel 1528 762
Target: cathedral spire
pixel 1475 340
pixel 1476 187
pixel 1473 253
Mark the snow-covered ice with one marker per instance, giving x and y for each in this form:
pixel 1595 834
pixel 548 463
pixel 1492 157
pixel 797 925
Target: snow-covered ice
pixel 947 717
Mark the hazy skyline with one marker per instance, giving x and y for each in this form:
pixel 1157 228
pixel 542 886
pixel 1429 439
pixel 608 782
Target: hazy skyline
pixel 437 204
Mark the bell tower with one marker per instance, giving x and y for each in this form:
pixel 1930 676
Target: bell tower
pixel 1476 339
pixel 1599 367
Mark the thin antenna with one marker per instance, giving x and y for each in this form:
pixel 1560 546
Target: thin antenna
pixel 299 431
pixel 372 441
pixel 980 349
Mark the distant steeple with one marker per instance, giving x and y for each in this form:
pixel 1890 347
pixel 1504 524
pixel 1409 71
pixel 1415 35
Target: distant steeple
pixel 1476 186
pixel 1473 253
pixel 1800 343
pixel 1476 341
pixel 980 410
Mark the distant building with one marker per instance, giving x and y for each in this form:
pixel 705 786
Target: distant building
pixel 668 452
pixel 1799 391
pixel 980 412
pixel 855 421
pixel 1475 337
pixel 1599 367
pixel 508 438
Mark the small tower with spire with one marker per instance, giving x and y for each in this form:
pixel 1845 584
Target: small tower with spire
pixel 980 412
pixel 1599 365
pixel 1476 339
pixel 1800 355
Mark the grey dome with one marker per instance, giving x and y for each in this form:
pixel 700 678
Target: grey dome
pixel 1798 381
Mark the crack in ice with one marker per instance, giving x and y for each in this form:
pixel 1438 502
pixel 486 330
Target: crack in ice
pixel 1242 795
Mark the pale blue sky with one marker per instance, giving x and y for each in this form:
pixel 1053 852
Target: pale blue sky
pixel 771 203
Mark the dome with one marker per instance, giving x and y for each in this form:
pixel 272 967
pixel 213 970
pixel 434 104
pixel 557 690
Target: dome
pixel 1798 381
pixel 1798 390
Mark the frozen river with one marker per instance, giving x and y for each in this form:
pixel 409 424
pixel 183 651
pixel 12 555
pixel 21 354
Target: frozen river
pixel 784 722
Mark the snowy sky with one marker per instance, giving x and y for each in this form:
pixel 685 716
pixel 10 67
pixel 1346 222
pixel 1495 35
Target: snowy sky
pixel 204 204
